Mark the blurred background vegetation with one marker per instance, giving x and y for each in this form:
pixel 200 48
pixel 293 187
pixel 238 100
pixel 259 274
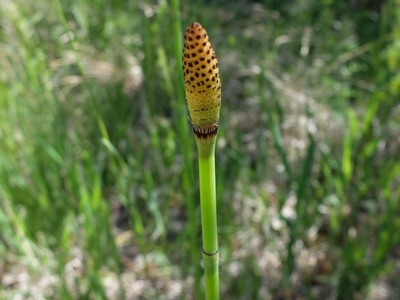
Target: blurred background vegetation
pixel 98 177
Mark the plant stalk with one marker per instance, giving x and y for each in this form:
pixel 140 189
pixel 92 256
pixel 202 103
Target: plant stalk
pixel 206 150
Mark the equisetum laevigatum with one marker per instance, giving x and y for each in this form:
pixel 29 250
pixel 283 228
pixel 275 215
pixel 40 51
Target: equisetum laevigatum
pixel 203 94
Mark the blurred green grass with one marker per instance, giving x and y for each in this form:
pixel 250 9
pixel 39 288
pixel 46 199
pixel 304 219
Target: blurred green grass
pixel 98 190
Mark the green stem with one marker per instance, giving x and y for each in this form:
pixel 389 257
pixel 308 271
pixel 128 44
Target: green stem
pixel 206 149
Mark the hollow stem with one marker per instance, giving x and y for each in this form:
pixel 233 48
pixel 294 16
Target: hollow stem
pixel 206 149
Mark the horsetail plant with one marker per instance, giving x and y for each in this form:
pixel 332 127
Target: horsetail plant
pixel 203 95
